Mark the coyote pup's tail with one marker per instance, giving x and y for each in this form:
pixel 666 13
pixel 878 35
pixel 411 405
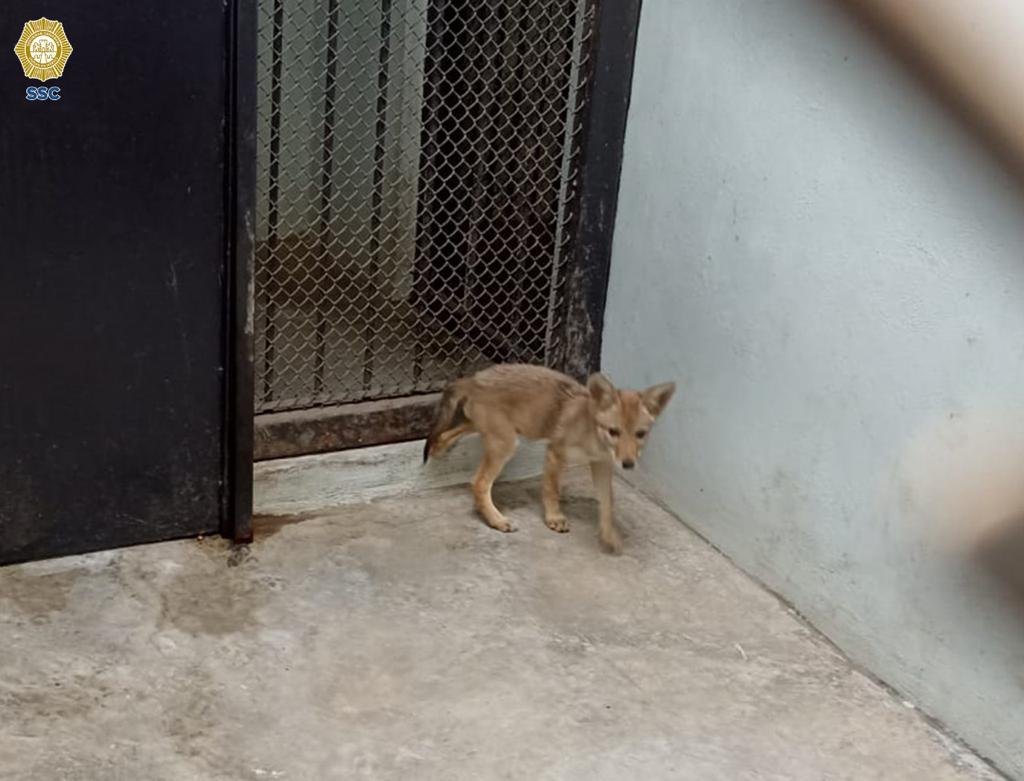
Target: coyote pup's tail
pixel 449 415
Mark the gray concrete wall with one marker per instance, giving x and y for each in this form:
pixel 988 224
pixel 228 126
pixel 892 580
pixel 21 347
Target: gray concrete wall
pixel 832 266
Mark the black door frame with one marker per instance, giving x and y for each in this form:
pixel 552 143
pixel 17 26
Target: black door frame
pixel 240 194
pixel 607 109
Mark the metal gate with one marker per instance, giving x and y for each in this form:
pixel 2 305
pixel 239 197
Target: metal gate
pixel 417 178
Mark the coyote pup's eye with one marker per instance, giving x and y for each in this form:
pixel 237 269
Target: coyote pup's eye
pixel 641 434
pixel 613 432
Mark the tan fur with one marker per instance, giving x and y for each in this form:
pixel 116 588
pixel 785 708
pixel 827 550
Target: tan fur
pixel 605 425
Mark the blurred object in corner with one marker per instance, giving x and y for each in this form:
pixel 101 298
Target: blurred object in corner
pixel 973 49
pixel 1000 550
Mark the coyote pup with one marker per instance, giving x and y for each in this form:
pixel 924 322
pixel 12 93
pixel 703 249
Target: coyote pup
pixel 597 422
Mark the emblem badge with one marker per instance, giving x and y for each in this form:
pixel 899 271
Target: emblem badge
pixel 43 49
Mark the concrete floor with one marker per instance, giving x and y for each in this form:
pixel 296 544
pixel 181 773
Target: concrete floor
pixel 401 639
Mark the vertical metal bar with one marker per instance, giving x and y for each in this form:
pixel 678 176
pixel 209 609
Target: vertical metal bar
pixel 523 147
pixel 526 192
pixel 372 328
pixel 484 147
pixel 425 255
pixel 601 154
pixel 572 109
pixel 273 195
pixel 320 305
pixel 237 484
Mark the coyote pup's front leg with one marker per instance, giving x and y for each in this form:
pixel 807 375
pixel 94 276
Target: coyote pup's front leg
pixel 554 465
pixel 611 541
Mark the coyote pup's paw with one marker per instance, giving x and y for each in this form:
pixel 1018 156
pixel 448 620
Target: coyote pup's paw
pixel 611 541
pixel 502 524
pixel 557 523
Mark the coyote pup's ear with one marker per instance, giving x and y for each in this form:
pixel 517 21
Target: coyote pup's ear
pixel 601 390
pixel 657 397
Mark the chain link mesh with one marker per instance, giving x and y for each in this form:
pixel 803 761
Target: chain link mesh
pixel 416 180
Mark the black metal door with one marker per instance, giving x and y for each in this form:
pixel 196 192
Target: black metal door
pixel 116 364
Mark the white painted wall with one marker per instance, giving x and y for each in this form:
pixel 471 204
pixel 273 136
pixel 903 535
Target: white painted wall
pixel 832 267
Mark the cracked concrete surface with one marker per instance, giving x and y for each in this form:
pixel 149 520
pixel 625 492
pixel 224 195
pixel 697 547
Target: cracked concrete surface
pixel 402 639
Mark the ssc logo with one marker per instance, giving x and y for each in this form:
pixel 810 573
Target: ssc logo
pixel 43 51
pixel 42 93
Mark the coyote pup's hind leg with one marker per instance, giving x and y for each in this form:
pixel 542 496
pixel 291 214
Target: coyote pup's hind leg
pixel 498 449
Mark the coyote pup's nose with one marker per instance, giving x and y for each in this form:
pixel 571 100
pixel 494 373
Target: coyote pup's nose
pixel 628 463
